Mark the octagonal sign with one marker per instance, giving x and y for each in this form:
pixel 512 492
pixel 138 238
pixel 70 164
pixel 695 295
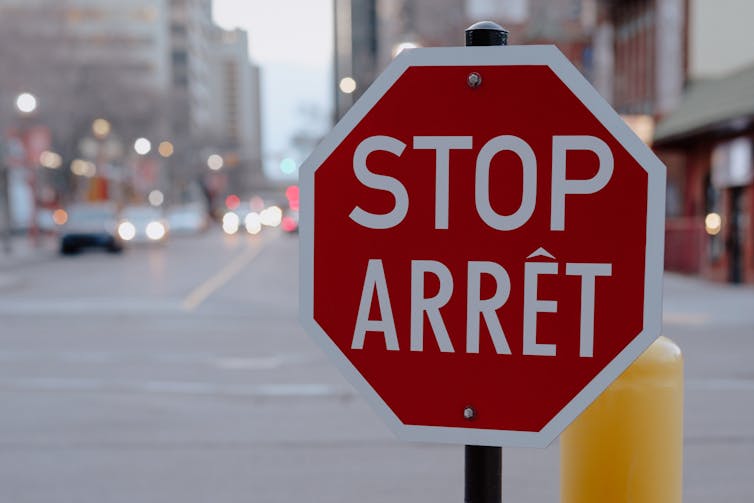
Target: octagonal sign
pixel 482 245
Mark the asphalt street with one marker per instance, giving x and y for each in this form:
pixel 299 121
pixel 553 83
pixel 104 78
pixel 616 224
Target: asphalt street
pixel 181 373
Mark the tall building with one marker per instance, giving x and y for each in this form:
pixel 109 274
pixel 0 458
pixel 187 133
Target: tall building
pixel 356 50
pixel 89 56
pixel 130 35
pixel 191 31
pixel 83 60
pixel 147 66
pixel 216 94
pixel 236 108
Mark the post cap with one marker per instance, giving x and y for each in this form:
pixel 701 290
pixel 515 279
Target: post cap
pixel 486 33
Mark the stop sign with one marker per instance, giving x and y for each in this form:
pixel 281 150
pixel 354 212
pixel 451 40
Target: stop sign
pixel 482 245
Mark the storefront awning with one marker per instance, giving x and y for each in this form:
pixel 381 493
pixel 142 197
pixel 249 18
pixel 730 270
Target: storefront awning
pixel 724 105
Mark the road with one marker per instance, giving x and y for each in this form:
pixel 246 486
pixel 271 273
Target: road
pixel 181 374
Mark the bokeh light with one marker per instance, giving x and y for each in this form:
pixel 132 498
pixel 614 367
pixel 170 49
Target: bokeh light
pixel 165 148
pixel 231 222
pixel 713 223
pixel 155 231
pixel 101 128
pixel 271 216
pixel 232 202
pixel 142 146
pixel 60 216
pixel 26 103
pixel 51 160
pixel 347 85
pixel 288 166
pixel 156 198
pixel 80 167
pixel 215 162
pixel 253 222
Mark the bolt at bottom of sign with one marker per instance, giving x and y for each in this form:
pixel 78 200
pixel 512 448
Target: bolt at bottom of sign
pixel 469 413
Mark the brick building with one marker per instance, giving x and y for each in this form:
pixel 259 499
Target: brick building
pixel 710 137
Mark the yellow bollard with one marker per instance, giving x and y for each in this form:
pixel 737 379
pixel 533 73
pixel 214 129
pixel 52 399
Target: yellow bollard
pixel 627 446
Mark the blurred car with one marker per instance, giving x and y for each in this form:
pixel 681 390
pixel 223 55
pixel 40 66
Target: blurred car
pixel 142 224
pixel 90 226
pixel 187 219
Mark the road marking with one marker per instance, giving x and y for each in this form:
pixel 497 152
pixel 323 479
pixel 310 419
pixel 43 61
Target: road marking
pixel 214 283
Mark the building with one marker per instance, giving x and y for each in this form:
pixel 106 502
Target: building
pixel 147 66
pixel 643 47
pixel 419 23
pixel 369 33
pixel 356 50
pixel 191 32
pixel 82 60
pixel 97 50
pixel 236 108
pixel 707 144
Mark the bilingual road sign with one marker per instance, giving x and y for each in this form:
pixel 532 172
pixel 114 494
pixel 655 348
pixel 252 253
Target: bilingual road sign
pixel 482 245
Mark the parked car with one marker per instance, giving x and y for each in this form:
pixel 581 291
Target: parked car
pixel 142 224
pixel 90 226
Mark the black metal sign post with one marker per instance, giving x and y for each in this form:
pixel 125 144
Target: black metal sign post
pixel 483 464
pixel 483 474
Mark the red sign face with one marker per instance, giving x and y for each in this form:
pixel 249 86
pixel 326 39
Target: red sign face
pixel 482 261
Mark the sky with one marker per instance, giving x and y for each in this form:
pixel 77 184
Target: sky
pixel 291 40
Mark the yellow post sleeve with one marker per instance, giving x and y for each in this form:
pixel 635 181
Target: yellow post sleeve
pixel 627 446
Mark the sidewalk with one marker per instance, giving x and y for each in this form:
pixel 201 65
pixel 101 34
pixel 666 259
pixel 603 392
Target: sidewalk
pixel 690 302
pixel 24 252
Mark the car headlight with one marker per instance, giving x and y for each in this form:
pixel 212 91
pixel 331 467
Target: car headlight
pixel 126 231
pixel 155 230
pixel 231 222
pixel 271 216
pixel 253 223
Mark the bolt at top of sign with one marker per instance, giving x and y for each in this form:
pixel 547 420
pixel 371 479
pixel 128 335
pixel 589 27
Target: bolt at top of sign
pixel 482 260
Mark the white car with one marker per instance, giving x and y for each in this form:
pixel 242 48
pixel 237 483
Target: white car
pixel 142 224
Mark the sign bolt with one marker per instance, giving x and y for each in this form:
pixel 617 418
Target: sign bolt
pixel 474 80
pixel 469 413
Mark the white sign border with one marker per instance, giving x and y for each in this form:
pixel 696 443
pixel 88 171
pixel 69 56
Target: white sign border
pixel 551 57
